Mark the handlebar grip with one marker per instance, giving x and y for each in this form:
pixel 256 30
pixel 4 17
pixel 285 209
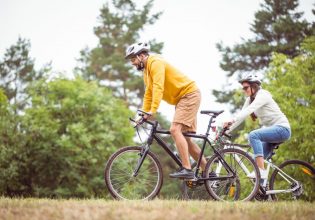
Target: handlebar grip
pixel 143 112
pixel 225 134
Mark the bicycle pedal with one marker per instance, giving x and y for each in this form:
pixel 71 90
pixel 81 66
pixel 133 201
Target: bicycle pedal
pixel 190 184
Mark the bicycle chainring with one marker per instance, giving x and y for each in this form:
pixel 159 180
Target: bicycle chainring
pixel 193 183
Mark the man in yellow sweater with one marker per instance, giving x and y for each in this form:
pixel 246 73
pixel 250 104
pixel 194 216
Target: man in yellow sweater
pixel 163 81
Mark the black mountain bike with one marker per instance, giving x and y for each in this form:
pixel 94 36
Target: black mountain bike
pixel 135 173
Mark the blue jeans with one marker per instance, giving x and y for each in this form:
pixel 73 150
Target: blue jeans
pixel 259 139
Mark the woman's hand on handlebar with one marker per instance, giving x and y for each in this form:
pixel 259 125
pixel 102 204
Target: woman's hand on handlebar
pixel 228 124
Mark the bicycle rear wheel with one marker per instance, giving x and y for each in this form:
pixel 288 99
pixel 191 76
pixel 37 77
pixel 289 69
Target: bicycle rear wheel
pixel 121 181
pixel 240 187
pixel 300 181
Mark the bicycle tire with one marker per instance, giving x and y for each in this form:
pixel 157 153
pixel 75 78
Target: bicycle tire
pixel 125 186
pixel 241 188
pixel 300 171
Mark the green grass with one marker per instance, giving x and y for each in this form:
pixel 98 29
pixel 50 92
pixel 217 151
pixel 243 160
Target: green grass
pixel 158 209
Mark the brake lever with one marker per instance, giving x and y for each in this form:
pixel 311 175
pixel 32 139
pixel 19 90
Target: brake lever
pixel 140 122
pixel 134 121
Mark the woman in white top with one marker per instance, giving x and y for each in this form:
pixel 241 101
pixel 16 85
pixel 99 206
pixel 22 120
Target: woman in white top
pixel 260 104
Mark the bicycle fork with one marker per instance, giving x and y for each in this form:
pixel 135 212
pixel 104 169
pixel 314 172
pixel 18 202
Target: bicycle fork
pixel 142 155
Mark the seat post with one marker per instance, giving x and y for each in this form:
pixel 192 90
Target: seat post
pixel 209 125
pixel 212 114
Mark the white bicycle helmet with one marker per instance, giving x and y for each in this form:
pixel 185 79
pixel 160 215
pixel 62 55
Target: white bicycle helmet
pixel 136 49
pixel 250 78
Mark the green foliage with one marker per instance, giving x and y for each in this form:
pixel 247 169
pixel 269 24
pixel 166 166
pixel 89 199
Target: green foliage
pixel 10 141
pixel 278 27
pixel 17 72
pixel 3 98
pixel 292 83
pixel 64 140
pixel 120 25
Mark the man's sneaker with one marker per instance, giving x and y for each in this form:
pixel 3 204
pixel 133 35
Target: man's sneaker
pixel 263 174
pixel 183 173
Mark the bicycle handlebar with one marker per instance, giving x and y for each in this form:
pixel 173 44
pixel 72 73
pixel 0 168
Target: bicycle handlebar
pixel 143 120
pixel 223 133
pixel 144 113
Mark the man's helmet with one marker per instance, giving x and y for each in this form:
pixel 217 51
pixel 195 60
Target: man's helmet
pixel 136 49
pixel 250 78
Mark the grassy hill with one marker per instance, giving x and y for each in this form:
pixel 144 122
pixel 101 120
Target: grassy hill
pixel 47 209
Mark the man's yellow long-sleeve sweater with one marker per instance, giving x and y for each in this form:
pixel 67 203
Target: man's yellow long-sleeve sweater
pixel 163 81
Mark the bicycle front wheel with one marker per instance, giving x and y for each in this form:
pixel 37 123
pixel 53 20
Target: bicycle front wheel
pixel 121 180
pixel 294 180
pixel 237 187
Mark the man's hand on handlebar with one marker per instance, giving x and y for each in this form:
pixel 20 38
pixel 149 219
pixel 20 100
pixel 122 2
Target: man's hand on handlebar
pixel 142 116
pixel 147 116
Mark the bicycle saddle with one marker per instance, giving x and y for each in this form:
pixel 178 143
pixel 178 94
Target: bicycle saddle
pixel 274 147
pixel 215 113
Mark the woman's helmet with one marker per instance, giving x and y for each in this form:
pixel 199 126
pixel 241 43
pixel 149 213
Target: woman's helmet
pixel 250 78
pixel 136 49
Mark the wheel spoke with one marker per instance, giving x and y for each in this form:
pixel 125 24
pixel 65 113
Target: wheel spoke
pixel 239 187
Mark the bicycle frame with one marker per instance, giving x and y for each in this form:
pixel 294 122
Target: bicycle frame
pixel 154 136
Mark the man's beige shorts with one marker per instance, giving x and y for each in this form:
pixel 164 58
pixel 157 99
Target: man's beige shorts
pixel 186 111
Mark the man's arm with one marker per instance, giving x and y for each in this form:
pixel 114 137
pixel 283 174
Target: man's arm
pixel 157 72
pixel 147 100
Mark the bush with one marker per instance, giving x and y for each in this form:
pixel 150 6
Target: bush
pixel 64 139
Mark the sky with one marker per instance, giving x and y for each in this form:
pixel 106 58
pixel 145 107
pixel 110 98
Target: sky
pixel 190 29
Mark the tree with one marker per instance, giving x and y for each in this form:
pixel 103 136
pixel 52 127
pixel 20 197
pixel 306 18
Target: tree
pixel 65 138
pixel 10 140
pixel 278 27
pixel 17 73
pixel 121 24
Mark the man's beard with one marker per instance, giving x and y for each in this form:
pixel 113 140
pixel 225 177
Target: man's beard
pixel 140 67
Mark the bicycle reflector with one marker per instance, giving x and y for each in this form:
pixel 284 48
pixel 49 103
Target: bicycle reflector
pixel 232 191
pixel 307 171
